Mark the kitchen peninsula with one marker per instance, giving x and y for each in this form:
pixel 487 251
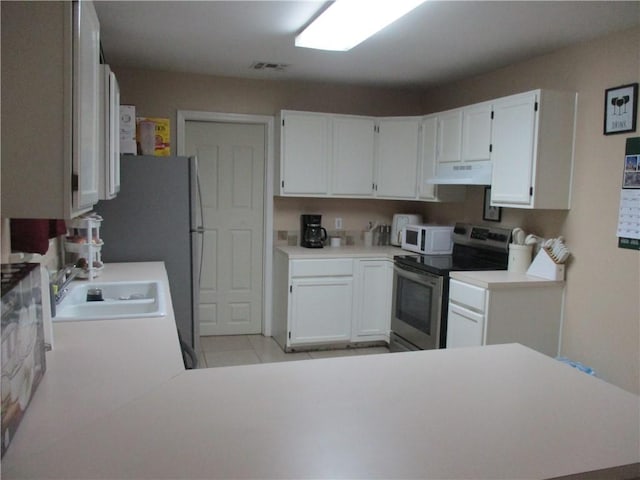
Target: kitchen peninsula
pixel 116 403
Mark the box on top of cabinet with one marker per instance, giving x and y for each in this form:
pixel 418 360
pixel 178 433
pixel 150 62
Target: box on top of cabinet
pixel 153 136
pixel 128 129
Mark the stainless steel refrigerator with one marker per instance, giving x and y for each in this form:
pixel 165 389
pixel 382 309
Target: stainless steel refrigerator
pixel 153 218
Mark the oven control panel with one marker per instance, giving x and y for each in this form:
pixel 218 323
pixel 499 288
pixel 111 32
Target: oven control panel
pixel 480 235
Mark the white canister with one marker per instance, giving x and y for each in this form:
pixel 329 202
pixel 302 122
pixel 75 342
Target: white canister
pixel 336 241
pixel 368 238
pixel 519 258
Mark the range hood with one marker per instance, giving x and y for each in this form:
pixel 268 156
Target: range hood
pixel 462 173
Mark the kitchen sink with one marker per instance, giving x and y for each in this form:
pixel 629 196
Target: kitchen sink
pixel 119 300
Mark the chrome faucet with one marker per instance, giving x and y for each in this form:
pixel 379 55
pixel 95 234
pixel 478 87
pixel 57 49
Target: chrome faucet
pixel 61 283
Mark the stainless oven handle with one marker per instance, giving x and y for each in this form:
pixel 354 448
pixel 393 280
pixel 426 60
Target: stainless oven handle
pixel 418 276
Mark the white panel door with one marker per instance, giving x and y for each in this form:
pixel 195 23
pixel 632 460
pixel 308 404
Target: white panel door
pixel 231 160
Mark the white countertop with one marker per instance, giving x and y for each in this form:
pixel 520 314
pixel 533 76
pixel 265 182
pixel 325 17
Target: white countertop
pixel 353 251
pixel 498 279
pixel 116 403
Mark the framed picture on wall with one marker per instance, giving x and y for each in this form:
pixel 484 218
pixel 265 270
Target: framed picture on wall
pixel 620 109
pixel 490 213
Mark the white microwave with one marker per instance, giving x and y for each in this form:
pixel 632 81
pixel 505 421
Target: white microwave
pixel 428 239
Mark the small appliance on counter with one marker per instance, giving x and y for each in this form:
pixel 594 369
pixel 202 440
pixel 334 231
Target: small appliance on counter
pixel 400 220
pixel 312 235
pixel 23 347
pixel 428 239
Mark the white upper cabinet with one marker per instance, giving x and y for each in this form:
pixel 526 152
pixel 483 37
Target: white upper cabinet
pixel 397 157
pixel 476 132
pixel 427 190
pixel 463 145
pixel 532 150
pixel 87 107
pixel 449 141
pixel 304 154
pixel 50 108
pixel 353 155
pixel 109 135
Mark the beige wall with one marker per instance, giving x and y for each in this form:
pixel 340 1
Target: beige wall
pixel 602 310
pixel 603 285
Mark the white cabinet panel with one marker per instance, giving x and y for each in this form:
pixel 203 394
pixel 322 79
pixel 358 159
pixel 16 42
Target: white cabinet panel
pixel 397 157
pixel 321 310
pixel 450 136
pixel 304 153
pixel 353 154
pixel 87 78
pixel 532 140
pixel 464 328
pixel 476 132
pixel 109 181
pixel 372 316
pixel 514 125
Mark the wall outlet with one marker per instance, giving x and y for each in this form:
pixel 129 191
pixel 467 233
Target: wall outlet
pixel 338 223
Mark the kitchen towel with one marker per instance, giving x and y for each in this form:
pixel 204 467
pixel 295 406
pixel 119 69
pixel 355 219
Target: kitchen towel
pixel 31 235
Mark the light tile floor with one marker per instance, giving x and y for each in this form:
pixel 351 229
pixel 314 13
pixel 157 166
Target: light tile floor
pixel 224 351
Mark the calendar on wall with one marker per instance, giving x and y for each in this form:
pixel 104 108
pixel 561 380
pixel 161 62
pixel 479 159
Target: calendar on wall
pixel 629 213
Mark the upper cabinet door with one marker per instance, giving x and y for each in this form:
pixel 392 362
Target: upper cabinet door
pixel 86 110
pixel 109 181
pixel 397 156
pixel 476 132
pixel 449 136
pixel 532 138
pixel 353 153
pixel 514 135
pixel 304 153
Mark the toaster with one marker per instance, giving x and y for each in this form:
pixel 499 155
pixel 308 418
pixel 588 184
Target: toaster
pixel 400 220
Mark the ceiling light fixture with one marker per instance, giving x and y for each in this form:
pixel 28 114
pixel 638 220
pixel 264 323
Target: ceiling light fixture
pixel 346 23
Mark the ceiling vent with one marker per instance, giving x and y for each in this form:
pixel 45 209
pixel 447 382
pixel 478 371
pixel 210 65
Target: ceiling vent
pixel 269 66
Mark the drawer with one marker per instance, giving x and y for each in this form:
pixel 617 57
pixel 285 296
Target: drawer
pixel 321 267
pixel 467 295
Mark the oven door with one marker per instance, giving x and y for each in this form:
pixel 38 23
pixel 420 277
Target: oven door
pixel 416 311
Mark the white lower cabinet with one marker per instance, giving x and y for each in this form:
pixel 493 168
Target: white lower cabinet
pixel 324 301
pixel 320 310
pixel 372 312
pixel 526 313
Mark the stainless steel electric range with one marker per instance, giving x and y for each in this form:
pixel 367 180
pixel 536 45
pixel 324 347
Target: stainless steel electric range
pixel 421 284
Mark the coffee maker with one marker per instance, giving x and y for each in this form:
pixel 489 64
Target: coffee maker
pixel 312 235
